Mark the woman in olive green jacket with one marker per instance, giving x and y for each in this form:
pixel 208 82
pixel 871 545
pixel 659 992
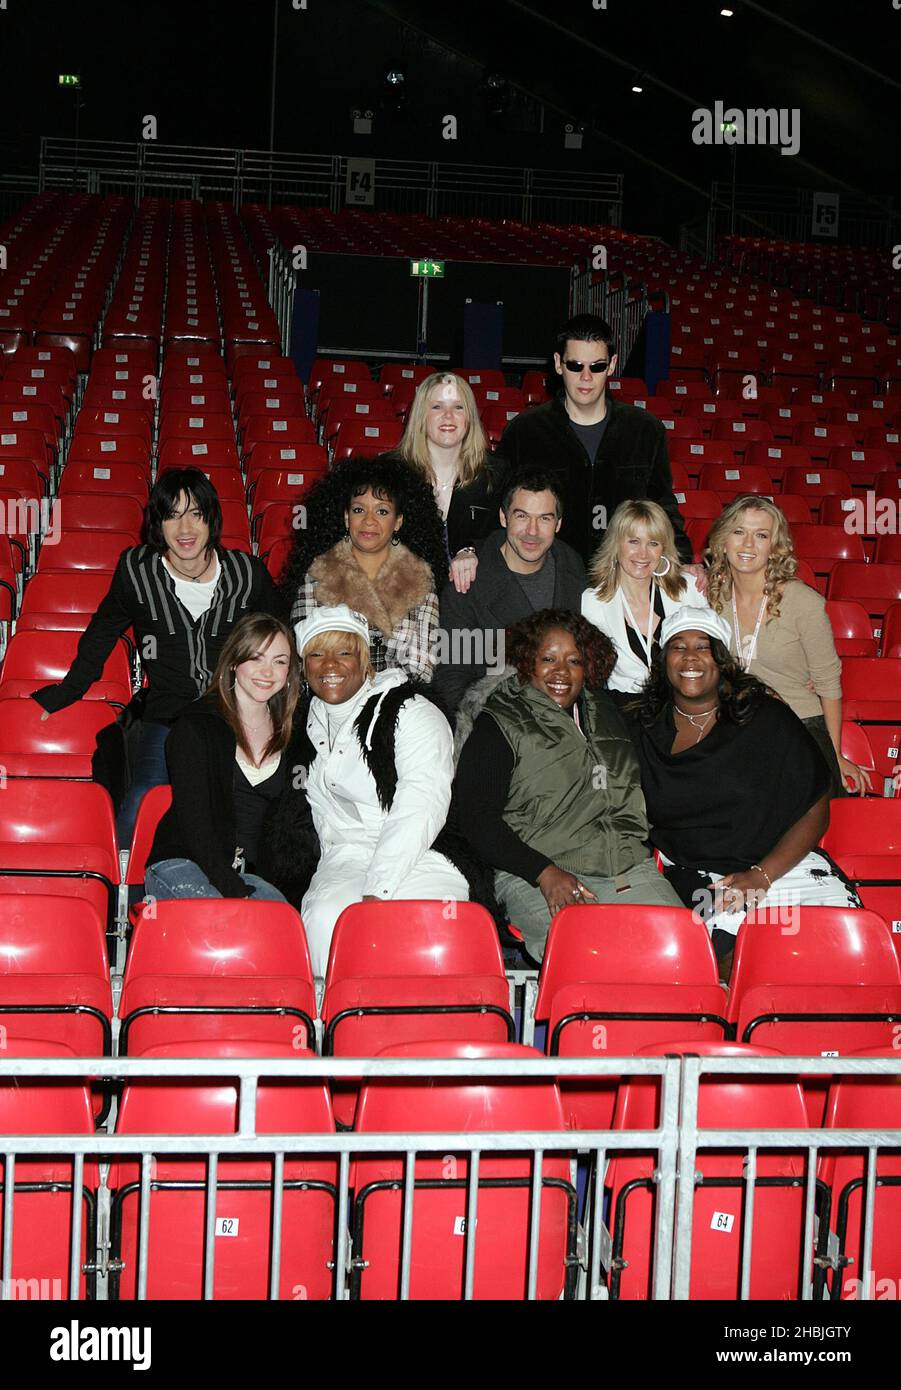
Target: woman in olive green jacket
pixel 547 786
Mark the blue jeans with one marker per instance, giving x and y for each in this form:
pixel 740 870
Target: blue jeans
pixel 182 878
pixel 150 770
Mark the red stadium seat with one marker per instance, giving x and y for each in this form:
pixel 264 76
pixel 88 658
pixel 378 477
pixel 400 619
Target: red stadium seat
pixel 127 479
pixel 381 434
pixel 824 546
pixel 244 1187
pixel 874 586
pixel 865 1103
pixel 699 505
pixel 888 550
pixel 891 631
pixel 864 838
pixel 42 1201
pixel 54 974
pixel 66 602
pixel 39 658
pixel 822 439
pixel 731 1103
pixel 84 550
pixel 851 628
pixel 437 1264
pixel 87 512
pixel 223 969
pixel 50 842
pixel 815 482
pixel 818 981
pixel 871 688
pixel 877 747
pixel 732 481
pixel 62 746
pixel 614 980
pixel 741 434
pixel 154 805
pixel 400 972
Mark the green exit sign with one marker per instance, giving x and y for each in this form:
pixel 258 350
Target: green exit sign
pixel 430 270
pixel 69 79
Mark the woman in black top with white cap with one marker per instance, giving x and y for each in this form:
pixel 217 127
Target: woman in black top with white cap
pixel 737 791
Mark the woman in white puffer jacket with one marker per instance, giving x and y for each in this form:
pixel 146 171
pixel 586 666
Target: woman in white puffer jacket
pixel 378 780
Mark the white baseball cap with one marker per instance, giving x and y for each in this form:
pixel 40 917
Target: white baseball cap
pixel 688 619
pixel 339 618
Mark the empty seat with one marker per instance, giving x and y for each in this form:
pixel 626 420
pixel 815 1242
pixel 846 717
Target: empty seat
pixel 891 631
pixel 874 586
pixel 85 550
pixel 42 1202
pixel 63 746
pixel 865 1103
pixel 730 1102
pixel 864 838
pixel 439 1232
pixel 818 981
pixel 735 480
pixel 216 968
pixel 851 628
pixel 615 979
pixel 54 973
pixel 35 659
pixel 823 546
pixel 50 842
pixel 244 1192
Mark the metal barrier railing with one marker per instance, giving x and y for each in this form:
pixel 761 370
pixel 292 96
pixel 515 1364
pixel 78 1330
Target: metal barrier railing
pixel 436 188
pixel 282 284
pixel 750 1141
pixel 671 1151
pixel 617 303
pixel 584 1258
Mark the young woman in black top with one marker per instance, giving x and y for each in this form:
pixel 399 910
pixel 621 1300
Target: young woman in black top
pixel 239 825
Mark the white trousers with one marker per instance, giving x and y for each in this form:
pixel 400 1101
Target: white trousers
pixel 338 882
pixel 811 883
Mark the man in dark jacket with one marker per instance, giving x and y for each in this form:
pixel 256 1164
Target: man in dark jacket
pixel 599 451
pixel 523 568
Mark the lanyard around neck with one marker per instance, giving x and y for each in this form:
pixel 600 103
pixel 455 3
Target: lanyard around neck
pixel 745 660
pixel 646 642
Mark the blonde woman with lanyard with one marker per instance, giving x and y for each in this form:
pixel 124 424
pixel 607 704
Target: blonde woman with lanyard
pixel 780 631
pixel 635 581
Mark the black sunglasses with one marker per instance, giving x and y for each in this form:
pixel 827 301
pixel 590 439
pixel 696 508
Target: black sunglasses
pixel 594 367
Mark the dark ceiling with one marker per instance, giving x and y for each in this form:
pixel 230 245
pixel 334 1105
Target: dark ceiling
pixel 204 69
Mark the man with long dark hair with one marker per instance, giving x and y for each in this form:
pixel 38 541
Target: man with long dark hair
pixel 181 594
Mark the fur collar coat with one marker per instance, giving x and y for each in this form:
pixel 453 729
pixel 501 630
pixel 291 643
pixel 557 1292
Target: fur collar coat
pixel 402 584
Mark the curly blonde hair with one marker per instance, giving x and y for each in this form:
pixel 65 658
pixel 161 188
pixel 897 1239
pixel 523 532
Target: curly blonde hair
pixel 604 572
pixel 781 566
pixel 414 445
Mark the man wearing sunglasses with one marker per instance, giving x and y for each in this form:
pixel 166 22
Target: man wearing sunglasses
pixel 600 451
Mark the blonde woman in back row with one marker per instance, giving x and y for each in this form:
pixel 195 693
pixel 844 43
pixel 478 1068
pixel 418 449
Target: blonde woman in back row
pixel 780 629
pixel 635 581
pixel 444 442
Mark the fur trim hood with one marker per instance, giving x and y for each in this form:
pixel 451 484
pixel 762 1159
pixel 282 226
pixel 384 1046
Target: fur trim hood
pixel 403 583
pixel 472 704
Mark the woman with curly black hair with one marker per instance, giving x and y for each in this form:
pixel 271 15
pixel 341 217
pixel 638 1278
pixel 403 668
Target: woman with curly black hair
pixel 373 541
pixel 737 790
pixel 547 787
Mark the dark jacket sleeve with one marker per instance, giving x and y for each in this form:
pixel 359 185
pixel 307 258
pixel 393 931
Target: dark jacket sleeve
pixel 453 677
pixel 113 616
pixel 482 786
pixel 191 774
pixel 660 490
